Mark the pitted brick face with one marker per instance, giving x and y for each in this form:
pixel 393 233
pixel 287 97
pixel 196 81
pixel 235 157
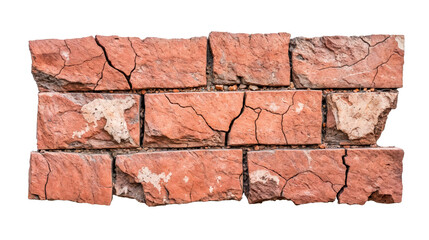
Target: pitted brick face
pixel 172 121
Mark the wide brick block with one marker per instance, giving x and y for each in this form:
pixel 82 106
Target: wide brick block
pixel 303 175
pixel 348 62
pixel 279 118
pixel 78 177
pixel 171 177
pixel 169 63
pixel 374 174
pixel 73 65
pixel 88 120
pixel 258 59
pixel 357 118
pixel 190 119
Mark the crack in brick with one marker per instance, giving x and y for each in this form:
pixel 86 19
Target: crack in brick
pixel 47 179
pixel 191 107
pixel 235 118
pixel 127 77
pixel 346 175
pixel 358 61
pixel 381 64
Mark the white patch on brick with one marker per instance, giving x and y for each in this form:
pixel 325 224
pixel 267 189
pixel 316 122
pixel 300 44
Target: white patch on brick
pixel 113 112
pixel 218 178
pixel 79 134
pixel 309 158
pixel 299 108
pixel 186 179
pixel 65 55
pixel 211 189
pixel 273 107
pixel 263 176
pixel 400 41
pixel 145 175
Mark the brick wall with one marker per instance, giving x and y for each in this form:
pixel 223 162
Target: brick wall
pixel 170 121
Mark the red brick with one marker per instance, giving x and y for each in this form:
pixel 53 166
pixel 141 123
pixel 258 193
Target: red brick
pixel 357 118
pixel 88 120
pixel 174 177
pixel 374 174
pixel 258 59
pixel 303 176
pixel 73 65
pixel 169 63
pixel 348 62
pixel 280 118
pixel 189 119
pixel 78 177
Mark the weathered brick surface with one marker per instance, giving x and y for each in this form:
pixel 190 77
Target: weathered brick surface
pixel 231 96
pixel 78 177
pixel 374 174
pixel 259 59
pixel 303 176
pixel 348 62
pixel 88 120
pixel 169 63
pixel 73 65
pixel 181 176
pixel 280 118
pixel 189 119
pixel 357 118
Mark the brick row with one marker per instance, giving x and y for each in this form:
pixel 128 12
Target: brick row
pixel 123 63
pixel 354 176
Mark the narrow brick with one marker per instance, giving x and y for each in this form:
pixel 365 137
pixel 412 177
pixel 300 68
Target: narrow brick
pixel 374 61
pixel 174 177
pixel 73 65
pixel 357 118
pixel 192 119
pixel 303 176
pixel 78 177
pixel 88 120
pixel 258 59
pixel 169 63
pixel 279 118
pixel 374 174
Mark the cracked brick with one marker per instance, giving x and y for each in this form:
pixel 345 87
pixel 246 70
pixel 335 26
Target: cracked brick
pixel 374 174
pixel 374 61
pixel 258 59
pixel 175 177
pixel 169 63
pixel 279 118
pixel 302 175
pixel 357 118
pixel 189 119
pixel 73 65
pixel 78 177
pixel 88 120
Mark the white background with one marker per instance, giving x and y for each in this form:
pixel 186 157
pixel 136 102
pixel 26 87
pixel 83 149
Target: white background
pixel 407 126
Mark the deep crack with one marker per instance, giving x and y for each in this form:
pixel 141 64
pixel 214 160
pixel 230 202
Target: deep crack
pixel 347 174
pixel 127 77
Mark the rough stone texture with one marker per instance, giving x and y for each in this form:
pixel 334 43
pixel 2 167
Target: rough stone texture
pixel 259 59
pixel 73 65
pixel 348 62
pixel 374 174
pixel 88 120
pixel 169 63
pixel 357 118
pixel 189 119
pixel 280 118
pixel 83 178
pixel 303 176
pixel 174 177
